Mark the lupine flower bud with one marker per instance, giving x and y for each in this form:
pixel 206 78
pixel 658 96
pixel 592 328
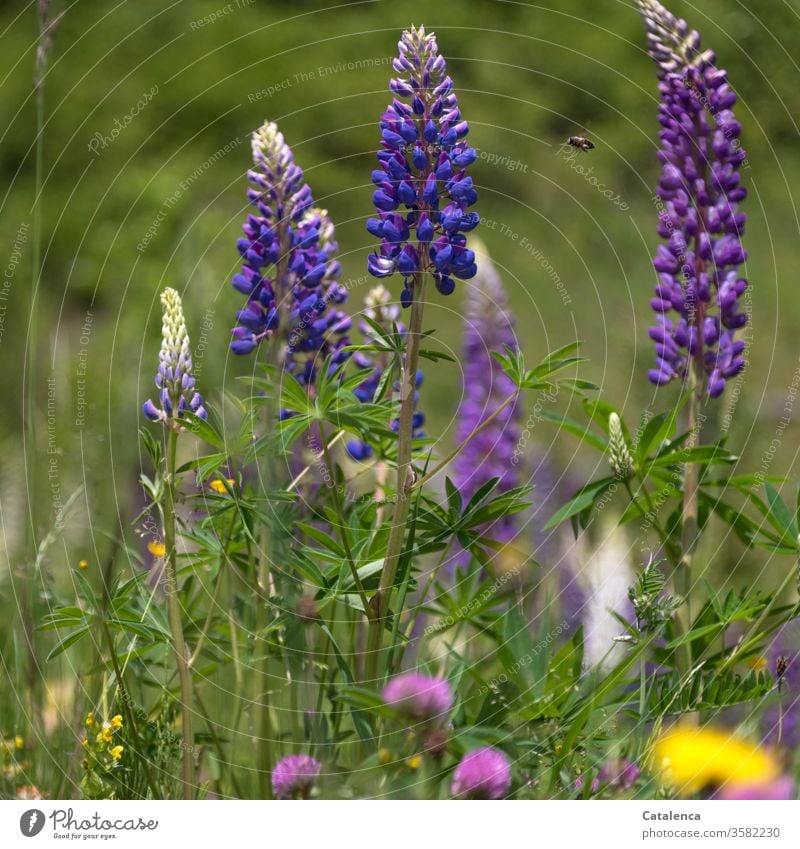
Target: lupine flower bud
pixel 174 378
pixel 482 774
pixel 488 327
pixel 289 274
pixel 419 697
pixel 669 40
pixel 619 456
pixel 422 169
pixel 699 221
pixel 293 777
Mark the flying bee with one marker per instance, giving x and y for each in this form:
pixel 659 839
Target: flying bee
pixel 580 143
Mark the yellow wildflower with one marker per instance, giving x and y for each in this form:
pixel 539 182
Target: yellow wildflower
pixel 19 742
pixel 85 743
pixel 83 564
pixel 219 486
pixel 694 758
pixel 116 752
pixel 105 734
pixel 90 719
pixel 157 549
pixel 414 762
pixel 384 756
pixel 116 721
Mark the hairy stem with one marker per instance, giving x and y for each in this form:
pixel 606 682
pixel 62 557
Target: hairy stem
pixel 379 605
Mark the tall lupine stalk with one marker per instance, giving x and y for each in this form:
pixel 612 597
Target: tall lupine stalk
pixel 488 394
pixel 177 395
pixel 379 308
pixel 422 165
pixel 698 265
pixel 289 278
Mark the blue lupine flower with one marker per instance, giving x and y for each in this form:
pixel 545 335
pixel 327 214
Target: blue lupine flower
pixel 174 378
pixel 289 273
pixel 699 193
pixel 422 191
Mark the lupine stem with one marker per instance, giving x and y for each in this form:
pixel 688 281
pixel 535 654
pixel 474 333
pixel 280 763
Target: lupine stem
pixel 182 659
pixel 689 535
pixel 379 604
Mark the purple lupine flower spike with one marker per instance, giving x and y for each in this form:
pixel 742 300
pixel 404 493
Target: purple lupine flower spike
pixel 422 170
pixel 294 776
pixel 289 273
pixel 488 327
pixel 699 283
pixel 482 774
pixel 174 379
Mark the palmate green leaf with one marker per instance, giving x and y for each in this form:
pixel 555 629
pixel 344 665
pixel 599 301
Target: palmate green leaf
pixel 656 431
pixel 779 512
pixel 706 455
pixel 294 398
pixel 575 428
pixel 584 498
pixel 70 640
pixel 205 429
pixel 436 356
pixel 599 412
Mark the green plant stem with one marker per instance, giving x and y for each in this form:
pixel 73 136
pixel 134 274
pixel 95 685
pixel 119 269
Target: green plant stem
pixel 223 558
pixel 689 526
pixel 649 516
pixel 218 746
pixel 182 659
pixel 127 701
pixel 263 723
pixel 380 601
pixel 341 526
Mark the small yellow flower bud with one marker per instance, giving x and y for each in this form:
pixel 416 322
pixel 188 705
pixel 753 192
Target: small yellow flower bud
pixel 384 756
pixel 83 564
pixel 414 762
pixel 157 549
pixel 19 742
pixel 90 719
pixel 219 487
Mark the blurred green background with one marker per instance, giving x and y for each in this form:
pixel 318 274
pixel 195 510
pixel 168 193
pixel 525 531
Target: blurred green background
pixel 148 108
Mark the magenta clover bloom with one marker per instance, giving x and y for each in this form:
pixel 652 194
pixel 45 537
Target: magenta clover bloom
pixel 419 697
pixel 293 777
pixel 482 774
